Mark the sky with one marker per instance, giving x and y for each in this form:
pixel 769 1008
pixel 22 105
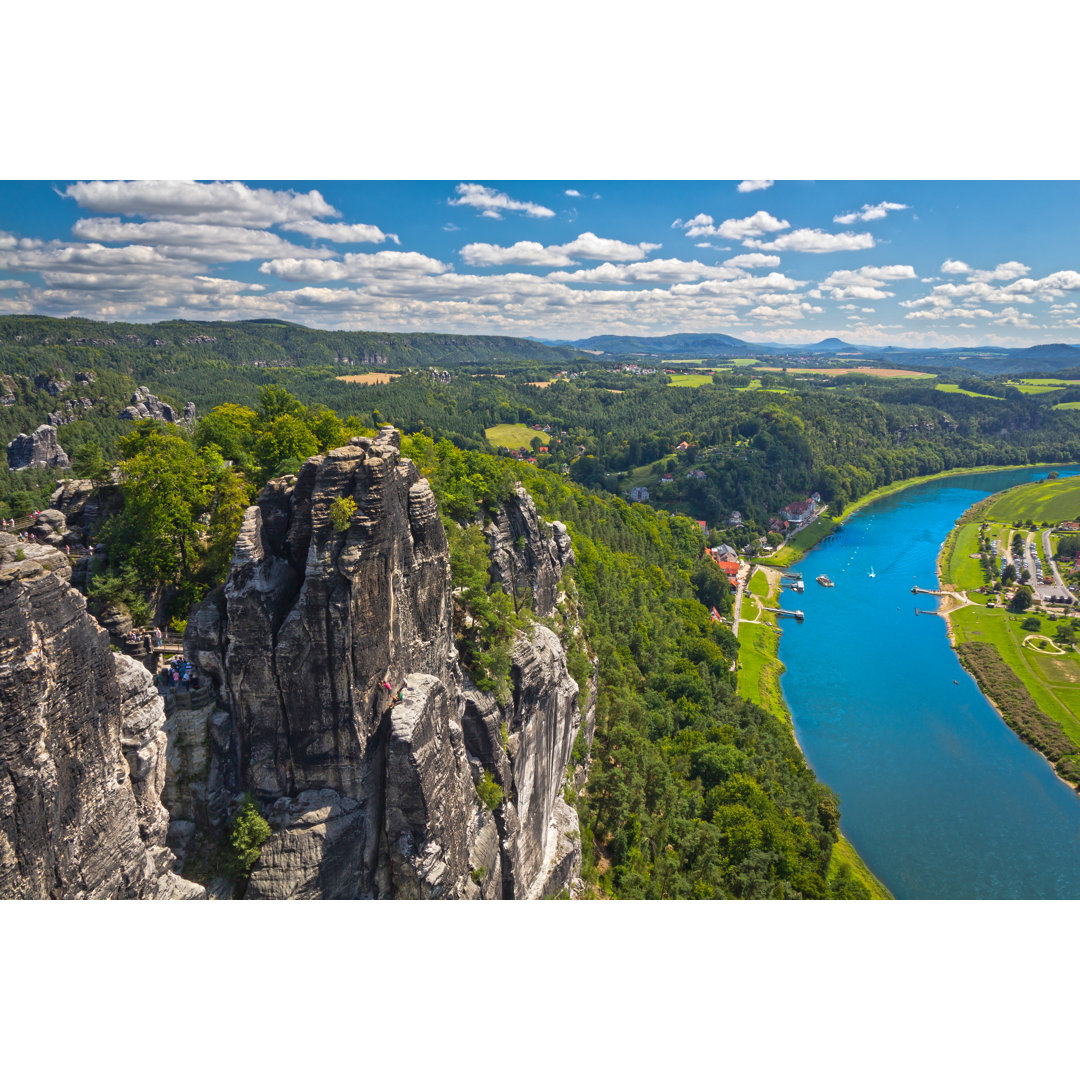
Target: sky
pixel 913 263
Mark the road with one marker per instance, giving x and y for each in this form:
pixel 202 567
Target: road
pixel 1053 565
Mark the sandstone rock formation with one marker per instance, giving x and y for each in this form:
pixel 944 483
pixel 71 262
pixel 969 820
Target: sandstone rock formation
pixel 147 406
pixel 81 747
pixel 370 797
pixel 38 450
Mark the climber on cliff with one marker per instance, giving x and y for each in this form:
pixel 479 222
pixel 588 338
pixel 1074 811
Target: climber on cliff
pixel 401 691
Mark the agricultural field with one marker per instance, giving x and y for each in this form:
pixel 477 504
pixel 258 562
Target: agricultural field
pixel 371 378
pixel 1043 386
pixel 512 436
pixel 880 372
pixel 690 380
pixel 1047 500
pixel 954 388
pixel 1066 405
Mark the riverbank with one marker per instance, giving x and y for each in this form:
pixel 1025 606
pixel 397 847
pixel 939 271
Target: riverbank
pixel 758 677
pixel 1035 692
pixel 914 481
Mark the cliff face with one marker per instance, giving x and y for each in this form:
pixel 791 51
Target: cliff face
pixel 38 450
pixel 81 747
pixel 370 797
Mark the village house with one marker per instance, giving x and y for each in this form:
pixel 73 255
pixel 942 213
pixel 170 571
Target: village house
pixel 1070 526
pixel 667 478
pixel 639 494
pixel 798 512
pixel 725 552
pixel 682 446
pixel 734 518
pixel 704 529
pixel 695 474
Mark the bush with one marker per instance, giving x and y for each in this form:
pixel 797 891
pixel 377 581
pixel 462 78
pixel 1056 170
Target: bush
pixel 491 795
pixel 250 831
pixel 19 554
pixel 341 512
pixel 1031 623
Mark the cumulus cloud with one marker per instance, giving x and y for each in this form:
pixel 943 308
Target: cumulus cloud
pixel 751 259
pixel 531 253
pixel 654 271
pixel 955 266
pixel 206 244
pixel 353 266
pixel 573 194
pixel 733 228
pixel 869 213
pixel 341 234
pixel 492 203
pixel 13 283
pixel 814 241
pixel 754 185
pixel 1005 271
pixel 866 282
pixel 218 202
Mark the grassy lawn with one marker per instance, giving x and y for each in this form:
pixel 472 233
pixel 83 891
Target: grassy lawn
pixel 759 584
pixel 690 380
pixel 844 854
pixel 1053 681
pixel 1047 500
pixel 1066 405
pixel 512 435
pixel 958 567
pixel 802 542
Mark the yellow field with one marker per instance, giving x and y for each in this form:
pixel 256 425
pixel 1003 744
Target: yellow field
pixel 372 378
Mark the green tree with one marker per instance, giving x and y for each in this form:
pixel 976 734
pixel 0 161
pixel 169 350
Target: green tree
pixel 250 831
pixel 166 486
pixel 89 463
pixel 1022 600
pixel 341 512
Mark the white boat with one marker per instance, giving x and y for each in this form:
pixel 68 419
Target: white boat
pixel 872 574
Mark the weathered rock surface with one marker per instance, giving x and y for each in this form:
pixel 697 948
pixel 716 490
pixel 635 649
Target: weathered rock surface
pixel 527 554
pixel 147 406
pixel 81 747
pixel 38 450
pixel 368 797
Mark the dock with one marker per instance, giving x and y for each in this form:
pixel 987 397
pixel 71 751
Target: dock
pixel 916 591
pixel 798 615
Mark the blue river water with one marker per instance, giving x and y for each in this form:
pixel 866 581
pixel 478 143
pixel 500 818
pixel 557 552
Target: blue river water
pixel 939 797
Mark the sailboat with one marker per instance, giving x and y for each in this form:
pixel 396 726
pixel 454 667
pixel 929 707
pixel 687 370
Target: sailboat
pixel 872 574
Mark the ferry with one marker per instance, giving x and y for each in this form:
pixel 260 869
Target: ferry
pixel 823 580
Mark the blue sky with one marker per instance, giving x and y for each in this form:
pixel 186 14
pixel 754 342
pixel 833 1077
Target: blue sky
pixel 876 262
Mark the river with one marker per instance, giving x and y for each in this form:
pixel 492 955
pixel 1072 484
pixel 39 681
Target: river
pixel 941 799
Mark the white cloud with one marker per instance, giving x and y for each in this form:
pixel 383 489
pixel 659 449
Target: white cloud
pixel 869 213
pixel 865 283
pixel 451 227
pixel 733 228
pixel 354 266
pixel 573 194
pixel 955 266
pixel 492 203
pixel 13 283
pixel 751 259
pixel 206 244
pixel 754 185
pixel 658 271
pixel 531 253
pixel 1005 271
pixel 218 202
pixel 814 241
pixel 341 234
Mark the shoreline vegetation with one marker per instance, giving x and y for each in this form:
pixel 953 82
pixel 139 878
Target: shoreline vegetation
pixel 1032 693
pixel 759 674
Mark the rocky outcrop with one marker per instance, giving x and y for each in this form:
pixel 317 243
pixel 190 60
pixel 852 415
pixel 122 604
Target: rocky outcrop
pixel 147 406
pixel 38 450
pixel 81 747
pixel 526 554
pixel 369 796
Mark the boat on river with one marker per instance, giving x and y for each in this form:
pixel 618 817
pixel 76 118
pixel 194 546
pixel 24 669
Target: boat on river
pixel 822 579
